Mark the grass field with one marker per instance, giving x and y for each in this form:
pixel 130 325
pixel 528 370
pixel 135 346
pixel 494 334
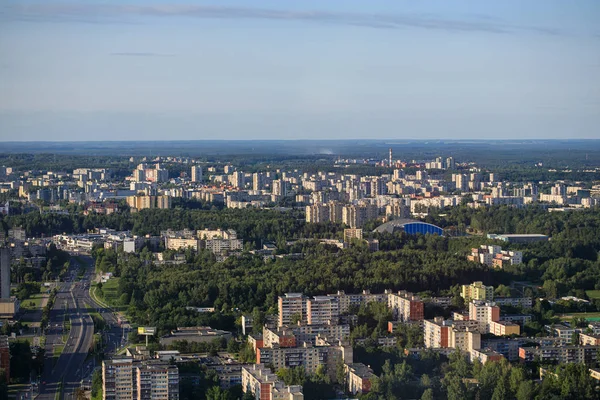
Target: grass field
pixel 109 289
pixel 58 349
pixel 109 294
pixel 593 294
pixel 34 302
pixel 591 316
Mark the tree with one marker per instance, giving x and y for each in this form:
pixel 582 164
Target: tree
pixel 216 393
pixel 427 394
pixel 525 391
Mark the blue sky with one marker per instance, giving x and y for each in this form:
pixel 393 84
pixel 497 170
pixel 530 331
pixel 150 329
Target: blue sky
pixel 396 69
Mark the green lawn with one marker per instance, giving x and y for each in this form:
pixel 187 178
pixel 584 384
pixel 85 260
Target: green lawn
pixel 109 289
pixel 593 294
pixel 34 302
pixel 109 294
pixel 58 349
pixel 592 316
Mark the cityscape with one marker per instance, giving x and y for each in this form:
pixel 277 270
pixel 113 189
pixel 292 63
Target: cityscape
pixel 180 277
pixel 299 200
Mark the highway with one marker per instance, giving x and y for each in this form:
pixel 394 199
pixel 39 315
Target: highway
pixel 71 302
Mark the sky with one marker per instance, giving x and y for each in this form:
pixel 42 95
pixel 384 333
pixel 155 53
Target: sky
pixel 329 69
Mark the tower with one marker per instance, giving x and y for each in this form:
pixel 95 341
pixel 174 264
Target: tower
pixel 390 162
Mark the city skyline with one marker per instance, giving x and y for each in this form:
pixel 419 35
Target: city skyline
pixel 140 70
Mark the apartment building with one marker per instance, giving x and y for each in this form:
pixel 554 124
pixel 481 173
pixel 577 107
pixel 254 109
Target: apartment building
pixel 145 202
pixel 264 385
pixel 177 243
pixel 586 339
pixel 352 233
pixel 405 306
pixel 196 173
pixel 504 328
pixel 359 378
pixel 346 301
pixel 355 216
pixel 477 291
pixel 525 302
pixel 124 378
pixel 118 379
pixel 322 310
pixel 309 333
pixel 317 213
pixel 157 382
pixel 307 356
pixel 483 311
pixel 561 354
pixel 437 333
pixel 291 306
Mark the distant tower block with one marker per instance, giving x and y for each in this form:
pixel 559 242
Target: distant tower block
pixel 390 164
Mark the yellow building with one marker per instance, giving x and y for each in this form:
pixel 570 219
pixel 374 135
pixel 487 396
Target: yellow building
pixel 477 291
pixel 144 202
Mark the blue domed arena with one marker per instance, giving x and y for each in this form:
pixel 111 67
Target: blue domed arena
pixel 410 226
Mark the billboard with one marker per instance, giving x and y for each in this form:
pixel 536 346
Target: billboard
pixel 146 330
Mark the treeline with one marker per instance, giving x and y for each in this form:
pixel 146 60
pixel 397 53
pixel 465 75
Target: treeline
pixel 253 225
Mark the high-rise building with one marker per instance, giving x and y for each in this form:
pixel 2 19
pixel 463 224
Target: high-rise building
pixel 196 173
pixel 127 379
pixel 280 187
pixel 258 181
pixel 477 291
pixel 355 216
pixel 317 213
pixel 263 384
pixel 237 180
pixel 322 310
pixel 352 233
pixel 291 306
pixel 118 379
pixel 406 307
pixel 144 202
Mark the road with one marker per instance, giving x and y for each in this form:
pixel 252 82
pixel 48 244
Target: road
pixel 71 303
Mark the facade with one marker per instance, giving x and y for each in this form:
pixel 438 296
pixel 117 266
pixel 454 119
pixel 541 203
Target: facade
pixel 264 385
pixel 196 173
pixel 589 339
pixel 322 310
pixel 477 291
pixel 127 379
pixel 157 382
pixel 145 202
pixel 291 305
pixel 352 233
pixel 525 302
pixel 355 216
pixel 562 354
pixel 405 306
pixel 173 243
pixel 118 379
pixel 358 378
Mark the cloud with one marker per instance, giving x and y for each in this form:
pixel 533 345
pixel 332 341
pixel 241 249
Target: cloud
pixel 140 54
pixel 111 13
